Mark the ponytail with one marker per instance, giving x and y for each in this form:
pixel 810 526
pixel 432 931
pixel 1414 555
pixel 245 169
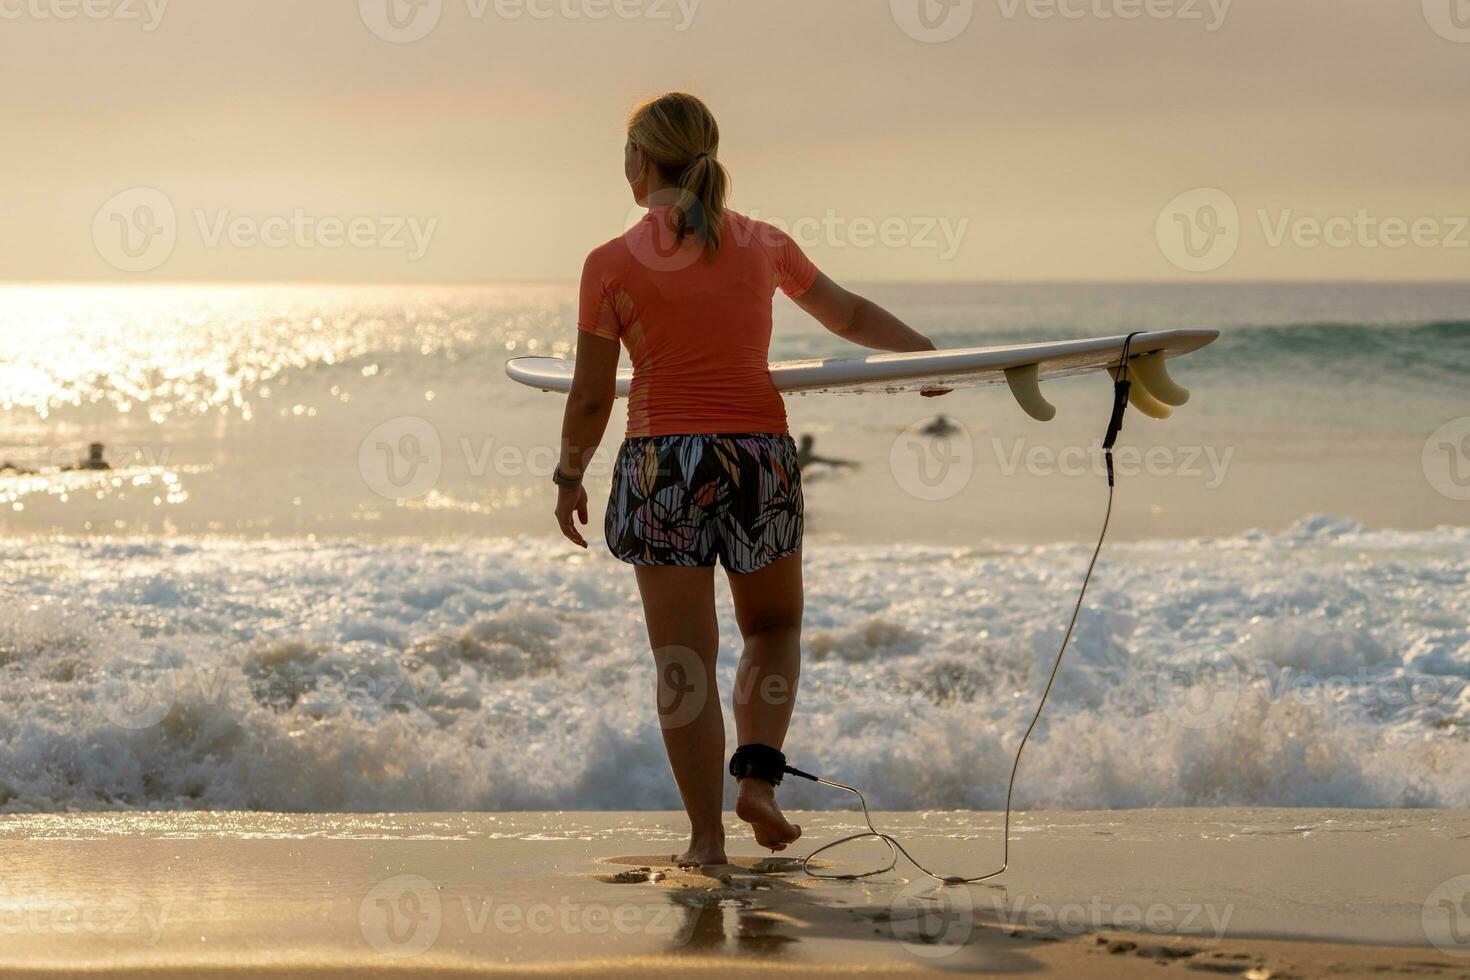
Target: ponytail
pixel 679 135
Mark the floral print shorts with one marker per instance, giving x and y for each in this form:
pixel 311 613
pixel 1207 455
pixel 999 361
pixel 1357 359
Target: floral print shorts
pixel 695 500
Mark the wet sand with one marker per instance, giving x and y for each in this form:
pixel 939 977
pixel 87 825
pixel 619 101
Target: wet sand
pixel 1255 893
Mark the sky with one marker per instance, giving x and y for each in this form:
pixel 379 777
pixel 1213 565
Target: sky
pixel 906 140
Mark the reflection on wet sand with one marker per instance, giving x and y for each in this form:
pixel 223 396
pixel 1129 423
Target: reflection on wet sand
pixel 767 907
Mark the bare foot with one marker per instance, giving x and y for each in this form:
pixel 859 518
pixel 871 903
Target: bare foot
pixel 703 853
pixel 756 805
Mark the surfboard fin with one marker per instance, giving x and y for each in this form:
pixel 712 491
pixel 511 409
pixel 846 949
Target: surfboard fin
pixel 1140 398
pixel 1151 372
pixel 1025 382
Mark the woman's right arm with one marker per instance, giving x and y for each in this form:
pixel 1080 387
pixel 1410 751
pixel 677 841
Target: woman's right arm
pixel 858 319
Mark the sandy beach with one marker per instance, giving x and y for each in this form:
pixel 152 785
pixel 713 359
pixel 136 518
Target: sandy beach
pixel 1234 892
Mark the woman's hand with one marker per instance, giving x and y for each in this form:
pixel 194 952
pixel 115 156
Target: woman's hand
pixel 572 503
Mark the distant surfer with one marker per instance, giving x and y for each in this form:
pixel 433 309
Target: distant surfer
pixel 708 474
pixel 806 456
pixel 939 426
pixel 96 459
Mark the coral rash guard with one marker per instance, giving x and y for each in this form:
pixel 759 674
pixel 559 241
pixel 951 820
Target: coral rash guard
pixel 698 331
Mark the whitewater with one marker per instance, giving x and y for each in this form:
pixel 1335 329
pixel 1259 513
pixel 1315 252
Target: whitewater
pixel 1327 665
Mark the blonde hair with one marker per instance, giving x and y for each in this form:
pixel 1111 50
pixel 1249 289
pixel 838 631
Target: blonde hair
pixel 678 134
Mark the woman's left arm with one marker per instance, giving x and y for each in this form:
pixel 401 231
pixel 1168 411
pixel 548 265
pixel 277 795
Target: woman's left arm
pixel 594 387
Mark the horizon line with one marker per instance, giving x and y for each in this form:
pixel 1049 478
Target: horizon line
pixel 487 283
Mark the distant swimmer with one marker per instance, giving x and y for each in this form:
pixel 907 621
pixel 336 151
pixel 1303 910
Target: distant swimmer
pixel 6 466
pixel 940 426
pixel 94 460
pixel 806 455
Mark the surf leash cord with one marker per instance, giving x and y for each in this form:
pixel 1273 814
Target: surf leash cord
pixel 1121 387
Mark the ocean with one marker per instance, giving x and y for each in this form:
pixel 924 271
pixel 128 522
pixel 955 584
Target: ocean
pixel 321 574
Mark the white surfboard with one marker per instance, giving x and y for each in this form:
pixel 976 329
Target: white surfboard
pixel 1022 367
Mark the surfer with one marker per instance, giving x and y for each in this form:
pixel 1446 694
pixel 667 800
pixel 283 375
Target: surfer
pixel 95 460
pixel 708 473
pixel 939 426
pixel 806 456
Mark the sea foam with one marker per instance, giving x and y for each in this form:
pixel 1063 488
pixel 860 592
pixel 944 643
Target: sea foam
pixel 1326 665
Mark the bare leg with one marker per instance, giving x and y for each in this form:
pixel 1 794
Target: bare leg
pixel 679 606
pixel 768 606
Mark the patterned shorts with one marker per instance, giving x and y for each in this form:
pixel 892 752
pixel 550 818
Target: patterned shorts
pixel 695 500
